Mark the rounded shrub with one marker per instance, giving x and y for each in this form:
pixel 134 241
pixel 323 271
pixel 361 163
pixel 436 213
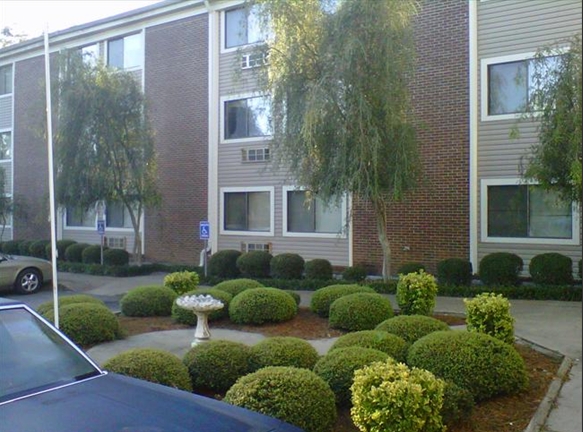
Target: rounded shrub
pixel 296 396
pixel 254 264
pixel 43 308
pixel 24 247
pixel 318 269
pixel 458 404
pixel 283 351
pixel 391 344
pixel 337 368
pixel 354 273
pixel 410 267
pixel 454 271
pixel 324 297
pixel 38 248
pixel 236 286
pixel 477 362
pixel 260 305
pixel 287 266
pixel 87 324
pixel 116 257
pixel 294 295
pixel 388 396
pixel 416 293
pixel 150 364
pixel 152 300
pixel 74 252
pixel 360 311
pixel 11 247
pixel 412 327
pixel 187 317
pixel 217 364
pixel 223 264
pixel 551 269
pixel 181 282
pixel 489 313
pixel 500 268
pixel 62 246
pixel 91 254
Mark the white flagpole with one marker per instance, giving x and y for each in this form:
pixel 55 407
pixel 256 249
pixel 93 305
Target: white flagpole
pixel 51 180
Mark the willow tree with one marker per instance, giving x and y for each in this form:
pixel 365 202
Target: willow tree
pixel 103 140
pixel 338 75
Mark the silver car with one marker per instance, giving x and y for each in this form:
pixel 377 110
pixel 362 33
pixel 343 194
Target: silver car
pixel 26 275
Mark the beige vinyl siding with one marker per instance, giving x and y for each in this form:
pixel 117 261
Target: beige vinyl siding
pixel 91 236
pixel 5 112
pixel 233 79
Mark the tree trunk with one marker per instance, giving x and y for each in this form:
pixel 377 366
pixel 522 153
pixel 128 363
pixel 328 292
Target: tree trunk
pixel 137 251
pixel 380 211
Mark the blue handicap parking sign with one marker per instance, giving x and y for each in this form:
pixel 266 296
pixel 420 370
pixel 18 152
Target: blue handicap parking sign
pixel 101 226
pixel 205 230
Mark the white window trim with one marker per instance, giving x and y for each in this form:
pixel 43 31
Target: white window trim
pixel 223 41
pixel 286 233
pixel 228 98
pixel 269 189
pixel 484 183
pixel 122 36
pixel 94 228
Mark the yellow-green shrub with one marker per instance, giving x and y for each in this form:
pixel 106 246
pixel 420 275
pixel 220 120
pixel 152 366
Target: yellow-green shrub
pixel 181 282
pixel 416 293
pixel 490 314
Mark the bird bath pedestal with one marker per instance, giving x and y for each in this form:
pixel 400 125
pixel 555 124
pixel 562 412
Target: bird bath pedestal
pixel 202 306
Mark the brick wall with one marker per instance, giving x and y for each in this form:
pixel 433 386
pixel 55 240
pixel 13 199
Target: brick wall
pixel 433 221
pixel 176 84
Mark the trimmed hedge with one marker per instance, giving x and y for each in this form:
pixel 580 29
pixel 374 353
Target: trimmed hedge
pixel 318 269
pixel 500 268
pixel 237 286
pixel 551 269
pixel 92 254
pixel 410 267
pixel 360 311
pixel 43 308
pixel 391 344
pixel 260 305
pixel 454 271
pixel 354 274
pixel 224 264
pixel 187 317
pixel 412 327
pixel 116 257
pixel 24 247
pixel 254 264
pixel 38 248
pixel 283 351
pixel 287 266
pixel 144 301
pixel 11 247
pixel 324 297
pixel 74 252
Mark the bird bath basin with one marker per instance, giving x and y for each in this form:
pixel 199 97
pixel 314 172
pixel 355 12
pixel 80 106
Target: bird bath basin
pixel 202 306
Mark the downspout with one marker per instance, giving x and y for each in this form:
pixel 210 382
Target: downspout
pixel 473 111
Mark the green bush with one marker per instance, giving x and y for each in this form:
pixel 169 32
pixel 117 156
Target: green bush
pixel 580 268
pixel 324 297
pixel 319 269
pixel 477 362
pixel 489 313
pixel 223 264
pixel 237 286
pixel 87 324
pixel 454 271
pixel 416 293
pixel 296 396
pixel 254 264
pixel 260 305
pixel 287 266
pixel 43 308
pixel 412 327
pixel 187 317
pixel 217 364
pixel 391 344
pixel 337 368
pixel 458 404
pixel 500 268
pixel 24 247
pixel 354 273
pixel 388 396
pixel 283 351
pixel 116 257
pixel 144 301
pixel 410 267
pixel 74 252
pixel 62 246
pixel 294 295
pixel 360 311
pixel 92 254
pixel 181 282
pixel 151 364
pixel 11 247
pixel 551 269
pixel 38 248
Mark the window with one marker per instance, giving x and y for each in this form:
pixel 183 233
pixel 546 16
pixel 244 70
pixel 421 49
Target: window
pixel 117 216
pixel 308 214
pixel 90 54
pixel 255 155
pixel 241 28
pixel 247 211
pixel 126 52
pixel 5 80
pixel 247 118
pixel 250 247
pixel 79 217
pixel 5 145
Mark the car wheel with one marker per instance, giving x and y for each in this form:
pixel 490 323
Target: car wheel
pixel 28 281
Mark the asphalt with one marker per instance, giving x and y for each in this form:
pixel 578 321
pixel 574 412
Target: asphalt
pixel 550 326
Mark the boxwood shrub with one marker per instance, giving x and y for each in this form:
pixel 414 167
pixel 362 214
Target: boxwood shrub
pixel 74 252
pixel 360 311
pixel 324 297
pixel 24 247
pixel 458 404
pixel 410 267
pixel 354 273
pixel 551 269
pixel 283 351
pixel 454 271
pixel 287 266
pixel 66 300
pixel 116 257
pixel 296 396
pixel 187 317
pixel 223 264
pixel 500 268
pixel 412 327
pixel 38 248
pixel 254 264
pixel 151 300
pixel 62 246
pixel 318 269
pixel 11 247
pixel 391 344
pixel 92 254
pixel 236 286
pixel 151 364
pixel 260 305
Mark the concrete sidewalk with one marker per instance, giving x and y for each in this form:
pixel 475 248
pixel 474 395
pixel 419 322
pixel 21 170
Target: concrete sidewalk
pixel 553 325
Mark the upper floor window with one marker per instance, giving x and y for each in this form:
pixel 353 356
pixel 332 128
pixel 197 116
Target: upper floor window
pixel 5 145
pixel 90 54
pixel 126 52
pixel 5 80
pixel 241 27
pixel 247 118
pixel 309 214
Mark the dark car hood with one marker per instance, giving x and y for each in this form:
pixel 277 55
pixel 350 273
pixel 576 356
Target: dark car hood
pixel 115 403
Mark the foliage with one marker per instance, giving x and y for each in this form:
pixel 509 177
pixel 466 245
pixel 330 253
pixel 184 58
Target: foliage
pixel 324 297
pixel 391 344
pixel 354 273
pixel 411 267
pixel 151 364
pixel 416 293
pixel 254 264
pixel 151 300
pixel 6 203
pixel 454 271
pixel 74 252
pixel 360 311
pixel 24 247
pixel 236 286
pixel 283 351
pixel 38 248
pixel 296 396
pixel 62 245
pixel 8 37
pixel 337 368
pixel 458 404
pixel 217 364
pixel 224 264
pixel 319 269
pixel 91 254
pixel 412 327
pixel 477 362
pixel 187 317
pixel 116 257
pixel 551 269
pixel 390 396
pixel 43 308
pixel 500 268
pixel 260 305
pixel 11 247
pixel 287 266
pixel 181 282
pixel 490 314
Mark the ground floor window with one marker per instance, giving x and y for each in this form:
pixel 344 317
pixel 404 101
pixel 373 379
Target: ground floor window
pixel 116 216
pixel 247 210
pixel 306 213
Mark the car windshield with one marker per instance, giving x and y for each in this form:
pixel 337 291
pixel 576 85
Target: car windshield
pixel 33 357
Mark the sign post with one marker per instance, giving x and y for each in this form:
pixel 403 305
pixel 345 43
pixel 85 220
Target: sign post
pixel 204 234
pixel 101 231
